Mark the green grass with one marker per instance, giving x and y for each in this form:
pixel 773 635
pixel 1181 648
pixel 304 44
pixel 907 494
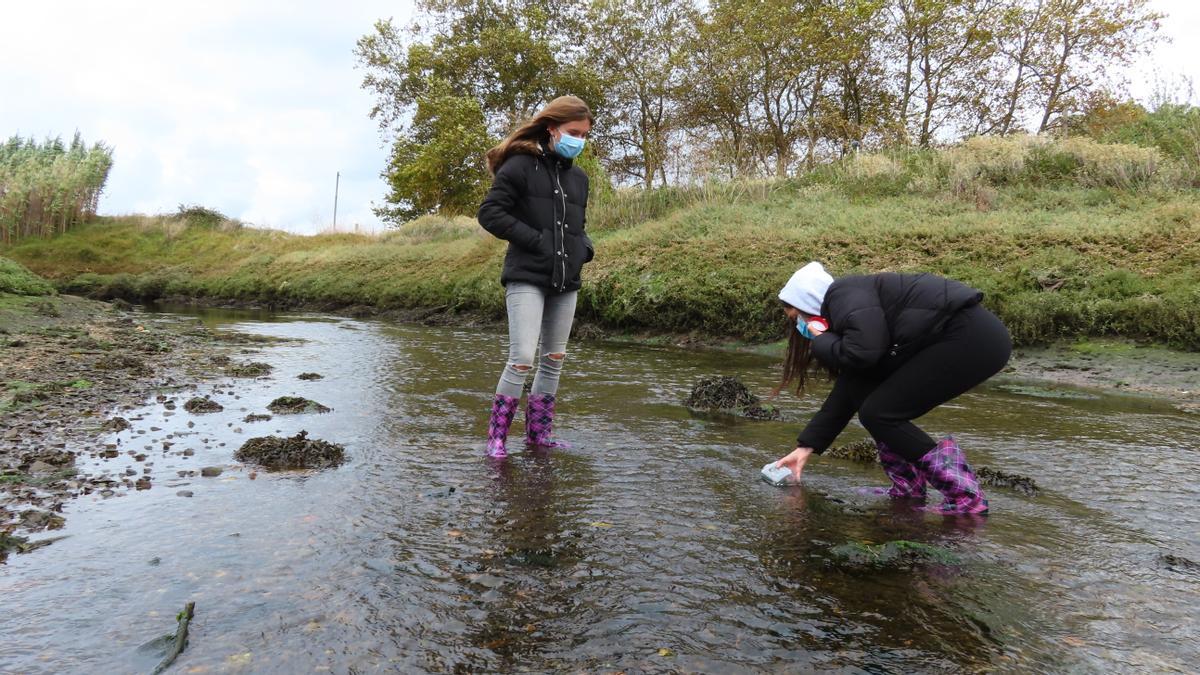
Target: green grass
pixel 17 280
pixel 1056 258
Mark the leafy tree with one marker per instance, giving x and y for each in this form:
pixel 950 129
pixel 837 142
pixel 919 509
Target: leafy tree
pixel 438 164
pixel 683 88
pixel 1080 43
pixel 941 48
pixel 641 79
pixel 484 65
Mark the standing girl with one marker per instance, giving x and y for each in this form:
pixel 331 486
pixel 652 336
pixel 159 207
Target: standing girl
pixel 899 345
pixel 537 204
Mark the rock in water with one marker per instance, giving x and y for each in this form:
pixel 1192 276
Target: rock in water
pixel 297 452
pixel 728 395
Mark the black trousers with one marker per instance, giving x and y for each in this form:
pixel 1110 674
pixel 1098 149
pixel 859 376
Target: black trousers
pixel 973 346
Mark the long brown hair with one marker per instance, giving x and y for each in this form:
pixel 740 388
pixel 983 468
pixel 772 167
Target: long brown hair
pixel 798 361
pixel 529 137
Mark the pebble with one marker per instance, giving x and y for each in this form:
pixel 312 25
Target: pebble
pixel 211 471
pixel 184 493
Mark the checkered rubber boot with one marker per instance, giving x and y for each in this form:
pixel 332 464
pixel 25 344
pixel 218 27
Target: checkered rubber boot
pixel 946 469
pixel 539 421
pixel 504 408
pixel 907 482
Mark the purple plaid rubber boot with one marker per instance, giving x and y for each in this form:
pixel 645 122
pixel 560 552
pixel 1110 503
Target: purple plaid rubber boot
pixel 946 469
pixel 539 421
pixel 907 482
pixel 504 408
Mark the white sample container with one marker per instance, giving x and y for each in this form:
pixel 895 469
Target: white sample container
pixel 778 476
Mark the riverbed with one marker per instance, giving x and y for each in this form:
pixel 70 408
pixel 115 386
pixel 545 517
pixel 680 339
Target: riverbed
pixel 649 545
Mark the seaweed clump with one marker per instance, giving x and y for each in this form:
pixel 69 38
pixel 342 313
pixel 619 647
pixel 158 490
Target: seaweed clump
pixel 997 478
pixel 297 452
pixel 198 406
pixel 251 369
pixel 859 451
pixel 899 554
pixel 728 395
pixel 295 405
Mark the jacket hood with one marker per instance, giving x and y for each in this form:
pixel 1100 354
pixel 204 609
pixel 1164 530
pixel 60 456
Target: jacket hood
pixel 806 289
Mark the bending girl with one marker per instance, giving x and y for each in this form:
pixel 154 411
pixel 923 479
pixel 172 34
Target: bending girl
pixel 899 345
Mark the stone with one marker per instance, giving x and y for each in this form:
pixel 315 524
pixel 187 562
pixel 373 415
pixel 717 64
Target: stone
pixel 40 467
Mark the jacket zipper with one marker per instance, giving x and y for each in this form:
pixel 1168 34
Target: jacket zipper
pixel 562 235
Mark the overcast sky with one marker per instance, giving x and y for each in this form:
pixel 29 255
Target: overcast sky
pixel 252 106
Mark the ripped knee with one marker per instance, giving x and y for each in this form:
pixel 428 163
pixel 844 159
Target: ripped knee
pixel 556 357
pixel 520 368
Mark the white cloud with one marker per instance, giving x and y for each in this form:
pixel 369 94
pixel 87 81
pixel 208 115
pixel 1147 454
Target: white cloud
pixel 247 107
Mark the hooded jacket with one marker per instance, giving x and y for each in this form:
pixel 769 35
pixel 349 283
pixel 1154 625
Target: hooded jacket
pixel 882 319
pixel 537 203
pixel 876 323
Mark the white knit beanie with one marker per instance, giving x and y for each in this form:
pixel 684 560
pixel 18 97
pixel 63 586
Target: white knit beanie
pixel 806 289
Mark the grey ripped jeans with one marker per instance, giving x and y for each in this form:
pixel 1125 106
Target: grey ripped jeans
pixel 535 312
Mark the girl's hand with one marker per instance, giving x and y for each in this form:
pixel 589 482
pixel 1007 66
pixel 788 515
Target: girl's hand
pixel 795 461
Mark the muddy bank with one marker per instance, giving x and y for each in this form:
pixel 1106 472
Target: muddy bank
pixel 1115 365
pixel 69 368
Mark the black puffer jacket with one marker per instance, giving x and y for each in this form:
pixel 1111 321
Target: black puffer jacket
pixel 876 323
pixel 538 204
pixel 880 320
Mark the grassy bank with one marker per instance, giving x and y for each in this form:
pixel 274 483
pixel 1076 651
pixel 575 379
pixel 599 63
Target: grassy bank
pixel 1060 251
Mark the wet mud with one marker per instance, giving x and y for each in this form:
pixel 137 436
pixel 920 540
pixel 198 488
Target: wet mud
pixel 69 369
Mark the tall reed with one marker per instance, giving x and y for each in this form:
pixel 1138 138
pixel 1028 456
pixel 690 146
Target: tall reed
pixel 46 188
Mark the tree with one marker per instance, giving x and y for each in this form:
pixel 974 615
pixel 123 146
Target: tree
pixel 438 165
pixel 942 49
pixel 1080 43
pixel 502 59
pixel 641 79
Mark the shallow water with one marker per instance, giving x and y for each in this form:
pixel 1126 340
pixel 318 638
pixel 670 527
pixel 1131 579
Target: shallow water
pixel 651 545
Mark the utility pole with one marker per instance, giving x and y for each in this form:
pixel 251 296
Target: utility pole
pixel 337 182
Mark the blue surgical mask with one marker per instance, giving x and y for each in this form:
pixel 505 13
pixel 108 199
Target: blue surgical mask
pixel 802 326
pixel 569 146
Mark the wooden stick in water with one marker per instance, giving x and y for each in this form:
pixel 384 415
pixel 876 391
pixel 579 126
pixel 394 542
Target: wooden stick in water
pixel 180 639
